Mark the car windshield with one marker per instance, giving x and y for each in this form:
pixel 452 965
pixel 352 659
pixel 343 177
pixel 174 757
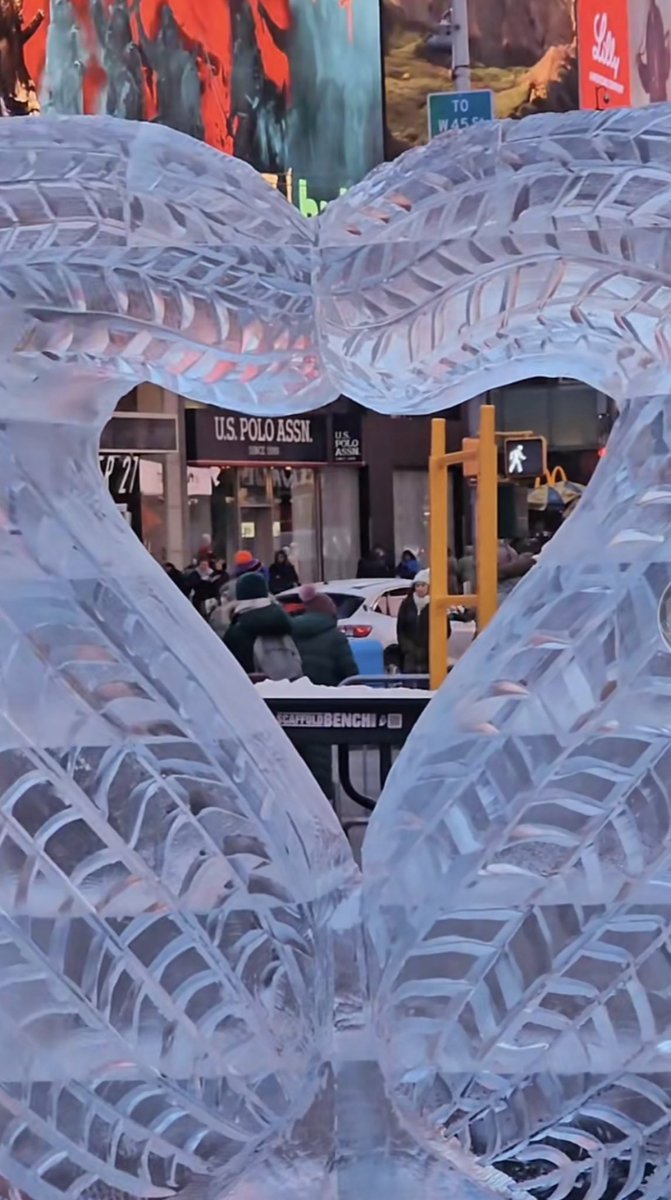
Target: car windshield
pixel 346 605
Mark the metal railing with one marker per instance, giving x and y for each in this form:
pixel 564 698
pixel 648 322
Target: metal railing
pixel 382 754
pixel 387 681
pixel 375 726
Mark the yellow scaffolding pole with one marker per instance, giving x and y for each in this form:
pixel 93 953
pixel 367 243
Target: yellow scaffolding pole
pixel 487 519
pixel 481 453
pixel 438 529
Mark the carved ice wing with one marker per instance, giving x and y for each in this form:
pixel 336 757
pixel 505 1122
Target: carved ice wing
pixel 516 870
pixel 166 921
pixel 130 252
pixel 445 273
pixel 168 866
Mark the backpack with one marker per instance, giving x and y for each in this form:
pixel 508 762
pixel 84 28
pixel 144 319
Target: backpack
pixel 276 656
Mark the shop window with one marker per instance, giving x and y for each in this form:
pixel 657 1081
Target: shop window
pixel 341 542
pixel 574 417
pixel 411 513
pixel 199 485
pixel 564 412
pixel 257 509
pixel 152 493
pixel 295 522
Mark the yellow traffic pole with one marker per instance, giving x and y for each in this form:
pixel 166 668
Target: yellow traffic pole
pixel 487 519
pixel 438 555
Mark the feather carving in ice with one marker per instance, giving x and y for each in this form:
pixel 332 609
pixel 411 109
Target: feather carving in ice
pixel 198 994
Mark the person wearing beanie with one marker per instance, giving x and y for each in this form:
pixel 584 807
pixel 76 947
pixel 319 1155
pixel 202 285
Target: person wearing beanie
pixel 244 563
pixel 260 631
pixel 324 649
pixel 327 659
pixel 250 586
pixel 412 626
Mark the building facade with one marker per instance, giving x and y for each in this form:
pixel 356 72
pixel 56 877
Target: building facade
pixel 142 459
pixel 327 485
pixel 272 483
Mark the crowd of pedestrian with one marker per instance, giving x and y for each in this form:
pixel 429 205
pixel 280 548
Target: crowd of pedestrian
pixel 380 565
pixel 241 607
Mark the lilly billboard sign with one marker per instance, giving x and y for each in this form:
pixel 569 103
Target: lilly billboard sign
pixel 604 53
pixel 624 52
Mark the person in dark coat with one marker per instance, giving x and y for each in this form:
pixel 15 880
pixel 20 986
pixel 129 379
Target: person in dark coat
pixel 282 574
pixel 408 566
pixel 254 615
pixel 327 660
pixel 203 587
pixel 178 577
pixel 219 568
pixel 376 565
pixel 412 627
pixel 324 649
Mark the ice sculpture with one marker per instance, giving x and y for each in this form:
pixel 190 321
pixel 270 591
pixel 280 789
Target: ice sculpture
pixel 198 994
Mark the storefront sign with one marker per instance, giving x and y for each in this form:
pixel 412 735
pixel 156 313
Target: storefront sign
pixel 122 476
pixel 346 438
pixel 604 53
pixel 270 439
pixel 229 438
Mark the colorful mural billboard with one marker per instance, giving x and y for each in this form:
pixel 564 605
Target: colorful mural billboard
pixel 292 86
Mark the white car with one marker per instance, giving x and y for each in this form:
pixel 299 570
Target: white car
pixel 368 608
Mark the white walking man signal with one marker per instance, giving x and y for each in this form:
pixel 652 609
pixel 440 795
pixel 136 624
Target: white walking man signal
pixel 516 460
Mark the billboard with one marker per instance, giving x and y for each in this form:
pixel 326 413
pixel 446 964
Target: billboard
pixel 523 50
pixel 625 52
pixel 604 53
pixel 294 87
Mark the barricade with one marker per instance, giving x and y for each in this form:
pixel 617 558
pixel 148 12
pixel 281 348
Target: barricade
pixel 372 724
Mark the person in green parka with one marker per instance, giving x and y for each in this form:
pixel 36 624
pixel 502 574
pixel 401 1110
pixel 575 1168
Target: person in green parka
pixel 327 660
pixel 260 634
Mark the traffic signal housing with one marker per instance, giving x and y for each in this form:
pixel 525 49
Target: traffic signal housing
pixel 524 457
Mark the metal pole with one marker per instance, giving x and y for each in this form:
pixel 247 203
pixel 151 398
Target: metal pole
pixel 487 519
pixel 461 53
pixel 438 555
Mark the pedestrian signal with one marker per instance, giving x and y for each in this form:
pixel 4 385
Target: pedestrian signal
pixel 524 457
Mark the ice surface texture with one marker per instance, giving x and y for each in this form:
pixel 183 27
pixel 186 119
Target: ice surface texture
pixel 198 994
